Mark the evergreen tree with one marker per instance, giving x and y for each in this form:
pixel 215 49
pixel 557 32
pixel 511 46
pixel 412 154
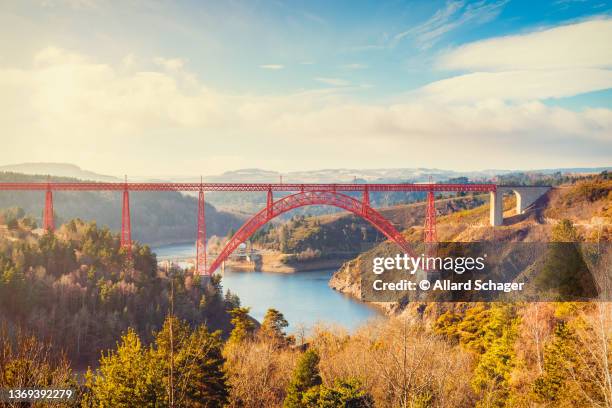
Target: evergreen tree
pixel 243 325
pixel 168 342
pixel 344 393
pixel 305 376
pixel 273 327
pixel 558 358
pixel 192 368
pixel 494 370
pixel 125 378
pixel 284 239
pixel 564 231
pixel 232 300
pixel 183 368
pixel 12 224
pixel 202 374
pixel 490 330
pixel 564 272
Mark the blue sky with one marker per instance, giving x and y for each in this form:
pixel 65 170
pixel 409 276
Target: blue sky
pixel 305 85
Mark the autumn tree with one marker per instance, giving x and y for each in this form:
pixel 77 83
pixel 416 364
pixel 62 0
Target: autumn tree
pixel 258 373
pixel 258 367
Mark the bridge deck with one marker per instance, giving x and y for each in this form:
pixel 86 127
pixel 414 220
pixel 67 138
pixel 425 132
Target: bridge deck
pixel 245 187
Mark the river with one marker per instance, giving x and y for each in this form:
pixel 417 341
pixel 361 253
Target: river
pixel 303 297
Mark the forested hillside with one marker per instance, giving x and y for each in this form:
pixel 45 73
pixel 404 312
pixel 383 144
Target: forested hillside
pixel 78 289
pixel 157 217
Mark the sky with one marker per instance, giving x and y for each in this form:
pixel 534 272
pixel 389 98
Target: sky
pixel 164 87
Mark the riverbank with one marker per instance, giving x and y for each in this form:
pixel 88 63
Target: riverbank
pixel 346 281
pixel 284 263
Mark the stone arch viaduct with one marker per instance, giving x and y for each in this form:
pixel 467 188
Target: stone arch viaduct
pixel 525 198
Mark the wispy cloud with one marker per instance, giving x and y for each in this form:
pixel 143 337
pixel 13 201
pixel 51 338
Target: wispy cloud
pixel 565 4
pixel 170 64
pixel 368 47
pixel 314 17
pixel 75 4
pixel 354 66
pixel 454 15
pixel 272 66
pixel 581 45
pixel 551 63
pixel 332 81
pixel 524 85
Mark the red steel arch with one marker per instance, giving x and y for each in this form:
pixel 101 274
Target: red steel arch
pixel 304 198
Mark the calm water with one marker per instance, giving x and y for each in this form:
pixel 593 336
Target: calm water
pixel 303 297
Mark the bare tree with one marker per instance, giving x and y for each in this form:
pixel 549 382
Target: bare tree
pixel 26 362
pixel 258 372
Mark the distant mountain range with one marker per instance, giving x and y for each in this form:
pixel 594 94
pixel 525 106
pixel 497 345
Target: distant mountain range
pixel 254 175
pixel 57 170
pixel 370 175
pixel 339 175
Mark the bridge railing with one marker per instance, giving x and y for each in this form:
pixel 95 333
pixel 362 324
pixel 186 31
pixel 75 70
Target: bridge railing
pixel 345 187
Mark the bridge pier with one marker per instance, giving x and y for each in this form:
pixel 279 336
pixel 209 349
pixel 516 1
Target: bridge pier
pixel 365 201
pixel 525 197
pixel 201 238
pixel 48 222
pixel 496 208
pixel 430 219
pixel 126 224
pixel 269 203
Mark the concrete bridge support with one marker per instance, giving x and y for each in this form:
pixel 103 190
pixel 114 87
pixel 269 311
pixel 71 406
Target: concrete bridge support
pixel 525 197
pixel 496 208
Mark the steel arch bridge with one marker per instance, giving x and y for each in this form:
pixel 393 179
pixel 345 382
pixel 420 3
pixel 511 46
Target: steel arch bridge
pixel 302 199
pixel 303 194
